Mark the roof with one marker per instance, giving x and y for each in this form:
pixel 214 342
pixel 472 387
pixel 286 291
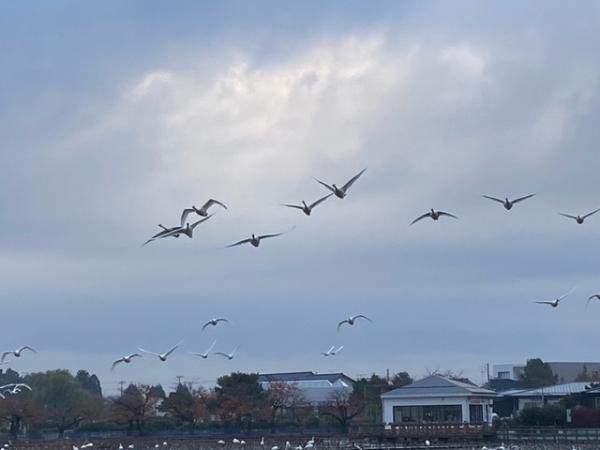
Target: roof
pixel 435 386
pixel 594 388
pixel 503 385
pixel 291 377
pixel 315 387
pixel 558 390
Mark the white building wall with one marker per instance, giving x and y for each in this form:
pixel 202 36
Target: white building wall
pixel 388 405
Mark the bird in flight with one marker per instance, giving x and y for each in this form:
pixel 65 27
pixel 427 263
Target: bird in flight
pixel 307 209
pixel 214 322
pixel 203 211
pixel 508 204
pixel 435 215
pixel 580 219
pixel 205 354
pixel 343 191
pixel 188 230
pixel 554 303
pixel 125 359
pixel 229 356
pixel 592 297
pixel 16 353
pixel 350 320
pixel 333 351
pixel 255 240
pixel 13 389
pixel 162 356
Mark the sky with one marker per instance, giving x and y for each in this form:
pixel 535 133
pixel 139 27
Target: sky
pixel 115 116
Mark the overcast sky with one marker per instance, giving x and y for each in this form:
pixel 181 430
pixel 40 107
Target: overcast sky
pixel 115 116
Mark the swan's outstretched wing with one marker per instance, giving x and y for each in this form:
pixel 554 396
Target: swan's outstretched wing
pixel 352 180
pixel 4 355
pixel 293 206
pixel 545 303
pixel 222 354
pixel 325 184
pixel 115 363
pixel 318 202
pixel 342 323
pixel 186 212
pixel 493 198
pixel 568 293
pixel 267 236
pixel 27 347
pixel 420 218
pixel 174 348
pixel 590 298
pixel 520 199
pixel 211 347
pixel 195 224
pixel 171 232
pixel 339 349
pixel 361 316
pixel 442 213
pixel 211 202
pixel 148 351
pixel 591 213
pixel 245 241
pixel 568 215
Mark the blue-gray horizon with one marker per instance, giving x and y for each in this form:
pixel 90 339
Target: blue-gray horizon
pixel 117 116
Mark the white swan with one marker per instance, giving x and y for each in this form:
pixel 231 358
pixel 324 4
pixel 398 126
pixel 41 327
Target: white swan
pixel 435 215
pixel 343 191
pixel 255 240
pixel 125 359
pixel 556 302
pixel 228 355
pixel 508 204
pixel 307 209
pixel 580 219
pixel 162 356
pixel 350 320
pixel 205 354
pixel 17 353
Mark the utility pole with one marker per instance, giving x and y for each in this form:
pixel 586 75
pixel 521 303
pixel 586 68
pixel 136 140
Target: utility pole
pixel 121 384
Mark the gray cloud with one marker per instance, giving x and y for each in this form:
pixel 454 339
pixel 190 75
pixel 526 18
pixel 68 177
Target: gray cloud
pixel 441 110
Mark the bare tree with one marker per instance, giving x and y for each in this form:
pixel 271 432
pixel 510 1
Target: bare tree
pixel 343 407
pixel 19 410
pixel 282 396
pixel 137 404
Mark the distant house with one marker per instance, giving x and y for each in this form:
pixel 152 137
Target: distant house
pixel 510 403
pixel 317 388
pixel 566 372
pixel 437 399
pixel 591 396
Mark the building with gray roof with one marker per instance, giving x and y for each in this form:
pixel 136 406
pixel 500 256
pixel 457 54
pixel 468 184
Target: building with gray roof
pixel 316 388
pixel 437 399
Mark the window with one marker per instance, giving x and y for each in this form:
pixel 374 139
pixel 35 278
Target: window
pixel 434 413
pixel 504 375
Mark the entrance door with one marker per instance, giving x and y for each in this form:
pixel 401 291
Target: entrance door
pixel 476 413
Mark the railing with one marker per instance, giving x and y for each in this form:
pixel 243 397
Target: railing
pixel 421 431
pixel 549 434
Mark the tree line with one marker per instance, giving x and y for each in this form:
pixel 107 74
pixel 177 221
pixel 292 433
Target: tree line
pixel 60 401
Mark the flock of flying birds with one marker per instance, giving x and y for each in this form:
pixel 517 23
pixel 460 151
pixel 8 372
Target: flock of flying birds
pixel 185 228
